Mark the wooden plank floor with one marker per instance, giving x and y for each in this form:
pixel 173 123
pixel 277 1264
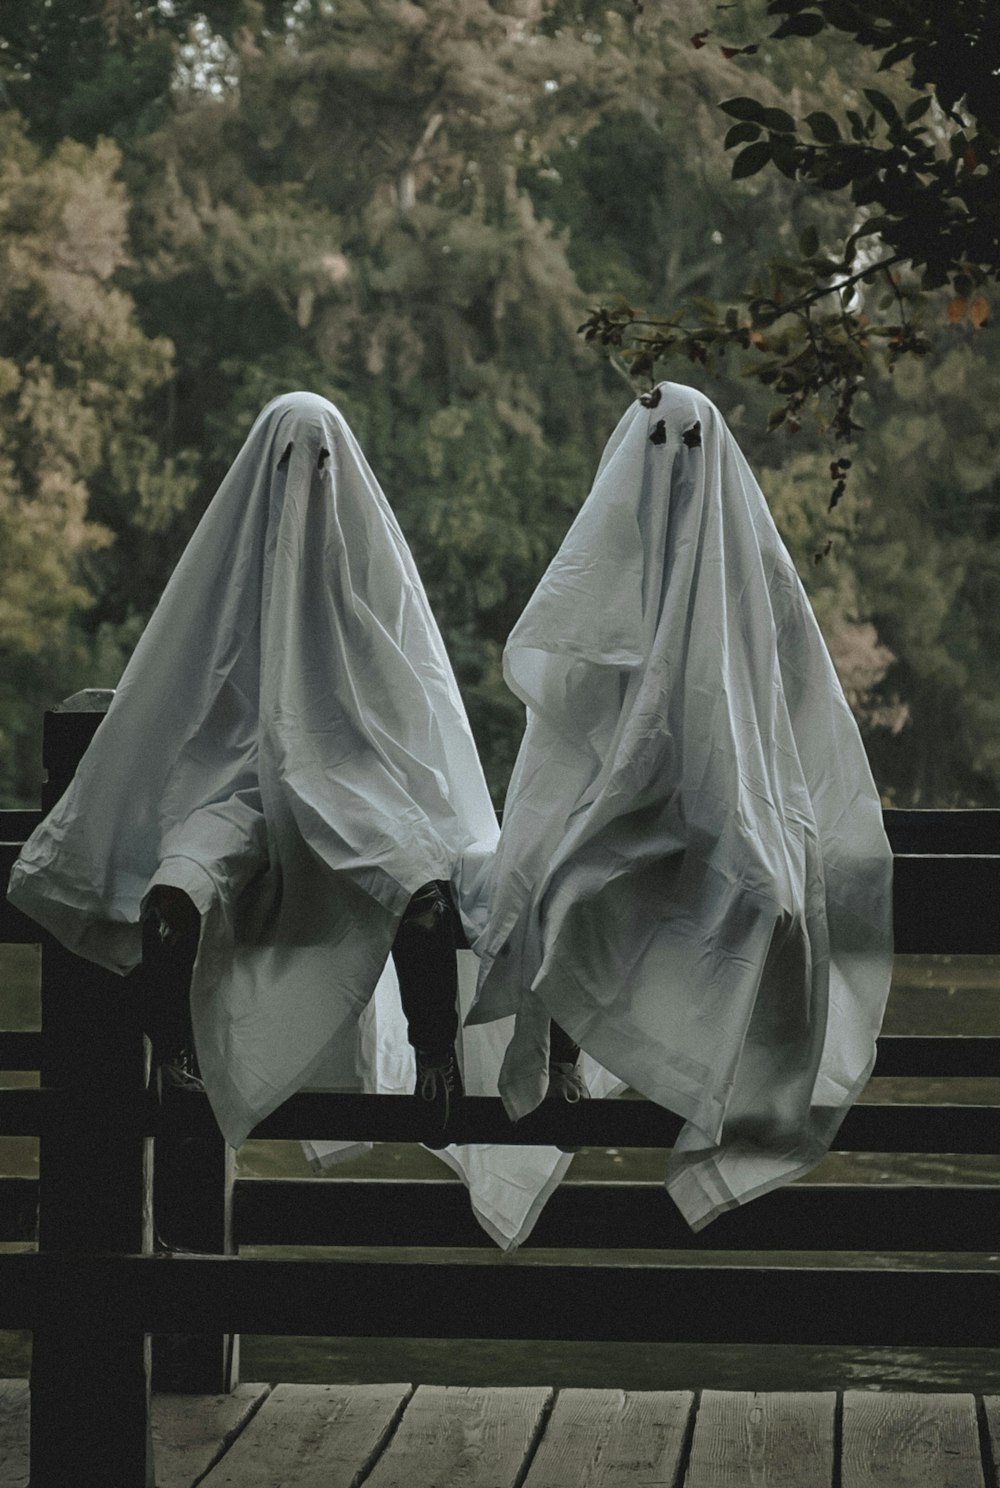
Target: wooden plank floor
pixel 432 1436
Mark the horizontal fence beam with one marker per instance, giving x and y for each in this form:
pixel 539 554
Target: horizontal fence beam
pixel 589 1216
pixel 620 1216
pixel 20 1051
pixel 972 831
pixel 510 1298
pixel 18 1209
pixel 959 1056
pixel 962 1056
pixel 868 1126
pixel 17 826
pixel 941 905
pixel 946 905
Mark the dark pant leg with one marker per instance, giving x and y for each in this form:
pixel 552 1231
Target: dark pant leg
pixel 562 1049
pixel 165 996
pixel 427 970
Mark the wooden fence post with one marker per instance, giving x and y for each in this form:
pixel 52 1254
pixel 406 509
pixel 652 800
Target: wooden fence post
pixel 89 1386
pixel 192 1178
pixel 193 1210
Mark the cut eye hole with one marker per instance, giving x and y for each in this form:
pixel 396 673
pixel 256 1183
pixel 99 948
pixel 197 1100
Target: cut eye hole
pixel 692 436
pixel 659 434
pixel 323 456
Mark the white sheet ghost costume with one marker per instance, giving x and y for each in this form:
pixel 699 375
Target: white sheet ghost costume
pixel 693 878
pixel 289 747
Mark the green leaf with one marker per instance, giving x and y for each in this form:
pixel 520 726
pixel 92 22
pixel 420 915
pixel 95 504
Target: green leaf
pixel 896 54
pixel 934 276
pixel 809 242
pixel 779 121
pixel 739 134
pixel 744 108
pixel 884 105
pixel 751 160
pixel 809 23
pixel 784 155
pixel 824 128
pixel 917 110
pixel 857 124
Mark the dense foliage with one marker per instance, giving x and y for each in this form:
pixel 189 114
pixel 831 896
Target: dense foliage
pixel 919 161
pixel 409 208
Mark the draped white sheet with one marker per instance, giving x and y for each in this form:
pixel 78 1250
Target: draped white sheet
pixel 693 877
pixel 288 745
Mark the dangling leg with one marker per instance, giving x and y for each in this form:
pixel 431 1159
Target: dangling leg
pixel 170 929
pixel 565 1080
pixel 427 970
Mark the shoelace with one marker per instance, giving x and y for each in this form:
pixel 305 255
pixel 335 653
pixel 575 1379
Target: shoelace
pixel 565 1080
pixel 180 1078
pixel 431 1075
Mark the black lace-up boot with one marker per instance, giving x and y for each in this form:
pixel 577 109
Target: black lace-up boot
pixel 424 955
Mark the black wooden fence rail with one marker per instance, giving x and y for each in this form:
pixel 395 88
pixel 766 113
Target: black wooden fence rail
pixel 96 1288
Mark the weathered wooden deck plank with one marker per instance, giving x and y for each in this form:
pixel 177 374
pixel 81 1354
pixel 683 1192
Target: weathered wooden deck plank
pixel 612 1439
pixel 462 1438
pixel 775 1440
pixel 910 1441
pixel 13 1433
pixel 190 1432
pixel 312 1436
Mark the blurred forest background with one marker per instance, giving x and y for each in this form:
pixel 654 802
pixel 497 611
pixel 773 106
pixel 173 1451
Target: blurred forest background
pixel 409 209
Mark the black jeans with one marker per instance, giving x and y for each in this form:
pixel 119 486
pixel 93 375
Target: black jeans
pixel 426 968
pixel 427 971
pixel 164 999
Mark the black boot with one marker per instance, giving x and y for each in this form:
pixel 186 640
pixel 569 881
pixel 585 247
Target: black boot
pixel 427 970
pixel 439 1085
pixel 565 1080
pixel 170 929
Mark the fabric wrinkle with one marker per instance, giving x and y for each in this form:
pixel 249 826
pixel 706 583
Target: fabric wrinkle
pixel 288 745
pixel 707 910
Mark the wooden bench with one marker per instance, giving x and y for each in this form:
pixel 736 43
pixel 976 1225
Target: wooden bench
pixel 96 1289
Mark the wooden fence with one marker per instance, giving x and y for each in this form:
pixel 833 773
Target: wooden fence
pixel 99 1286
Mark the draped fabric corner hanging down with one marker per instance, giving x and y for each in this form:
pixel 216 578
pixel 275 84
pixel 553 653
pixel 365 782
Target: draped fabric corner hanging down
pixel 693 877
pixel 289 747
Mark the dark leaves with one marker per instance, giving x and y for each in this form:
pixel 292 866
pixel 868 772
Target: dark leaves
pixel 739 134
pixel 824 128
pixel 751 160
pixel 659 434
pixel 807 24
pixel 884 105
pixel 918 109
pixel 744 108
pixel 777 120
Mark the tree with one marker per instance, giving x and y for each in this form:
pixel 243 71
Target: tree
pixel 86 68
pixel 74 374
pixel 408 208
pixel 919 164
